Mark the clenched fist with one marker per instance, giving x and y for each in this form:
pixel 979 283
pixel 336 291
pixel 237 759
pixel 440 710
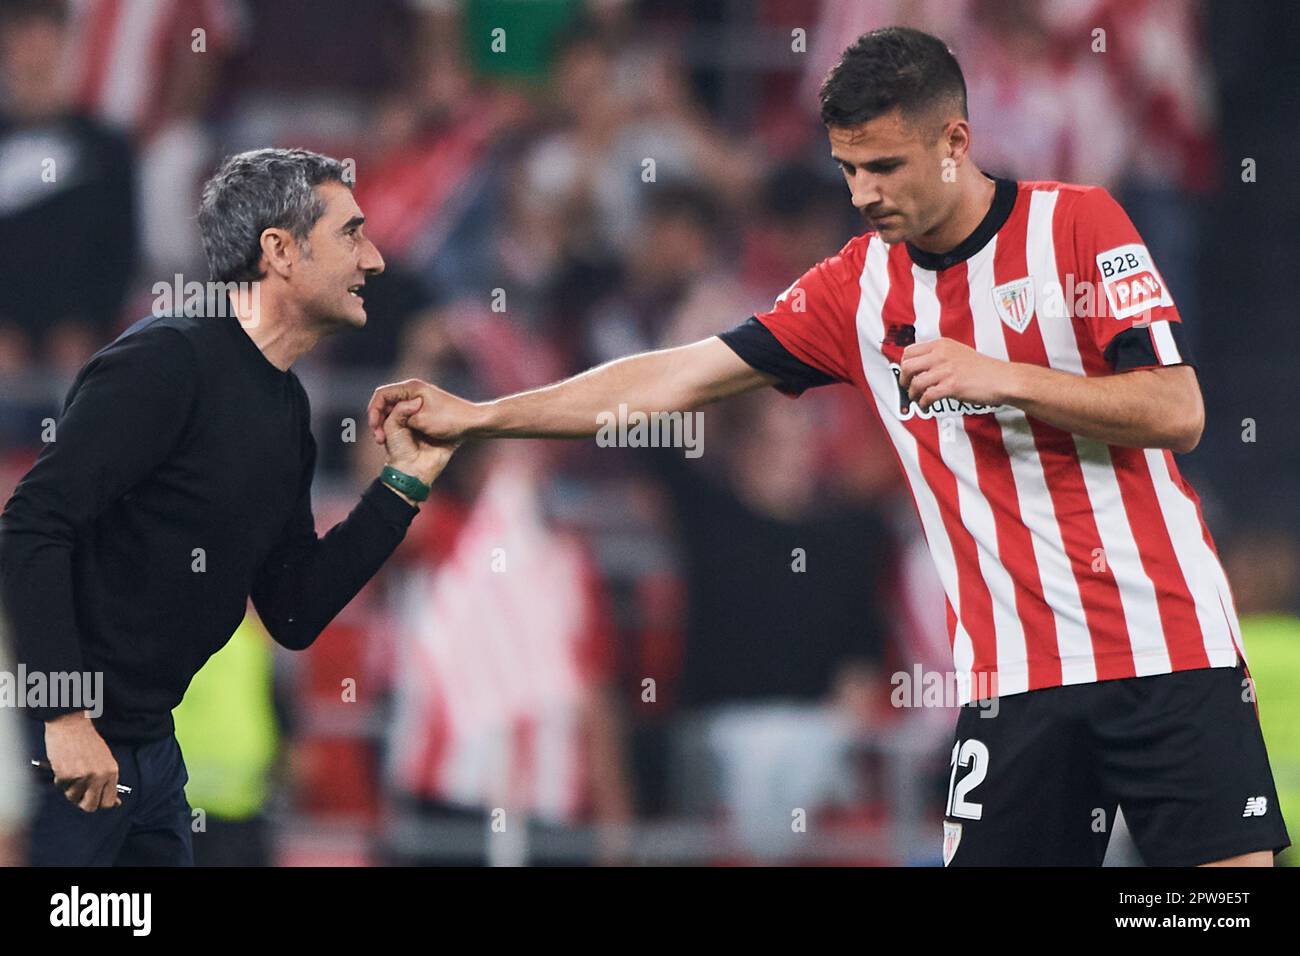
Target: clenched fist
pixel 436 415
pixel 409 451
pixel 945 368
pixel 84 768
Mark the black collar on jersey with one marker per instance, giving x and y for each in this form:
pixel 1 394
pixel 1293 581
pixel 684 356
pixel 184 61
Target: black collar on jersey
pixel 1004 199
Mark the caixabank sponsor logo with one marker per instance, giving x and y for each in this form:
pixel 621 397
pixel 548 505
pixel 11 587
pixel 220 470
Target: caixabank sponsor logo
pixel 942 408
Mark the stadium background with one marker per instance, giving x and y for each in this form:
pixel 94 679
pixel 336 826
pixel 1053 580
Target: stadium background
pixel 588 654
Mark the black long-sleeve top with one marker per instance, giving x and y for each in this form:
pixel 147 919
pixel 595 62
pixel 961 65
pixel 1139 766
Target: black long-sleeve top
pixel 177 485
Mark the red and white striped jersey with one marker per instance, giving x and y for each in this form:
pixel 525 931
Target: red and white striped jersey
pixel 1064 560
pixel 124 54
pixel 504 646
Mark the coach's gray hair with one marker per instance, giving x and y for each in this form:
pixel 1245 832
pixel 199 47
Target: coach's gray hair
pixel 254 191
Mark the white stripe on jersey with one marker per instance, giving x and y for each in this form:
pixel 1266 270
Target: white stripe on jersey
pixel 1137 594
pixel 1201 569
pixel 129 65
pixel 1037 510
pixel 1166 349
pixel 874 286
pixel 975 509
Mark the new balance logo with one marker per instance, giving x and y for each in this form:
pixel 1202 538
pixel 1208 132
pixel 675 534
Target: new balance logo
pixel 1255 807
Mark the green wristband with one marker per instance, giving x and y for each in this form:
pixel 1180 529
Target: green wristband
pixel 408 485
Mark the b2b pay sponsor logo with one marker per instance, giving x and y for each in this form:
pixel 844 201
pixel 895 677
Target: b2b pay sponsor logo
pixel 1130 280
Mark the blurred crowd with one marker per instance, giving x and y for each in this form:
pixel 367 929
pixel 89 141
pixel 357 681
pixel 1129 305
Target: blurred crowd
pixel 587 640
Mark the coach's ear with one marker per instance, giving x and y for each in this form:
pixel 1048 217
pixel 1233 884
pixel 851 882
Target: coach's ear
pixel 279 250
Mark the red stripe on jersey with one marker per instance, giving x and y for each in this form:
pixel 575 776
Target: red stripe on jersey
pixel 996 482
pixel 1059 460
pixel 101 33
pixel 437 724
pixel 973 595
pixel 522 788
pixel 171 31
pixel 951 616
pixel 1182 630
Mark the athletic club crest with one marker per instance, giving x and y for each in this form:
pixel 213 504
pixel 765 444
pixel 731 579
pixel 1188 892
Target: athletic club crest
pixel 1014 301
pixel 951 837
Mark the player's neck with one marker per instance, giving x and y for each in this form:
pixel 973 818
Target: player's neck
pixel 977 192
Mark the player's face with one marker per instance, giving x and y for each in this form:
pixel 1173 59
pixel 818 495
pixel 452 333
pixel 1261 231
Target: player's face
pixel 331 272
pixel 895 171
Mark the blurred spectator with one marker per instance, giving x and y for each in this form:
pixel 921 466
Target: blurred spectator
pixel 150 69
pixel 630 124
pixel 507 40
pixel 1042 104
pixel 625 304
pixel 503 687
pixel 1264 568
pixel 428 186
pixel 785 624
pixel 67 210
pixel 229 735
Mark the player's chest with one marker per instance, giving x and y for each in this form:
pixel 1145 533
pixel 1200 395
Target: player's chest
pixel 1008 312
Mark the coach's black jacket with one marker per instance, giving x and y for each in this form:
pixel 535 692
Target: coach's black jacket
pixel 178 484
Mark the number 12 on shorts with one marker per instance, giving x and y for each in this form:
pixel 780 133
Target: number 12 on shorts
pixel 966 753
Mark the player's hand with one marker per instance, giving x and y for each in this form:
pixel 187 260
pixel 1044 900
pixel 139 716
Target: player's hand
pixel 410 451
pixel 441 416
pixel 945 368
pixel 84 768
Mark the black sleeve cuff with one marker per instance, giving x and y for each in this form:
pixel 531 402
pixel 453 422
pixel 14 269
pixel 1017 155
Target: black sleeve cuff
pixel 393 509
pixel 760 349
pixel 1135 348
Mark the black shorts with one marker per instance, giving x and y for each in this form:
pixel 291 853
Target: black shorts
pixel 1036 780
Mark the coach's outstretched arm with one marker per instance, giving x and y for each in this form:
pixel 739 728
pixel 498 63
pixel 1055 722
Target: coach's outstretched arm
pixel 669 380
pixel 307 580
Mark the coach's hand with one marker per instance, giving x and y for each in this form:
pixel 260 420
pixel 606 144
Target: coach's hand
pixel 440 416
pixel 411 452
pixel 946 368
pixel 84 768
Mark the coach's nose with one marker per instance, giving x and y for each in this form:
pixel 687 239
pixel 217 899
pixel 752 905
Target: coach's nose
pixel 372 263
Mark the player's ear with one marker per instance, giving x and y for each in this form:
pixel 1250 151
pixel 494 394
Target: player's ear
pixel 957 139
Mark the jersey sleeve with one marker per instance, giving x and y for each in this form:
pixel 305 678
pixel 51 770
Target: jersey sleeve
pixel 809 337
pixel 1133 320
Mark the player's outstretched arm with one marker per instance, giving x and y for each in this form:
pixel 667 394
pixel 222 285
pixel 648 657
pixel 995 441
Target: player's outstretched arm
pixel 669 380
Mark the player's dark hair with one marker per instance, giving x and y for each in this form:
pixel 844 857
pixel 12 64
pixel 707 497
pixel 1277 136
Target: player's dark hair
pixel 894 68
pixel 258 190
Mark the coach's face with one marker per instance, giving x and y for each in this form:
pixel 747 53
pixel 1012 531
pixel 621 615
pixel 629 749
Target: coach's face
pixel 896 172
pixel 331 273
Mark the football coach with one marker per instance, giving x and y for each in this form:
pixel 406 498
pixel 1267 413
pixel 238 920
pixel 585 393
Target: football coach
pixel 178 484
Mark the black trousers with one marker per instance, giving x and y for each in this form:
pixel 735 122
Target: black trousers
pixel 151 827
